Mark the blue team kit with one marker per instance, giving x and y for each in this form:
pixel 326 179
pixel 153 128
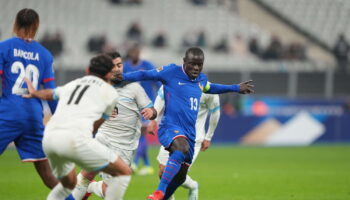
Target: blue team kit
pixel 20 118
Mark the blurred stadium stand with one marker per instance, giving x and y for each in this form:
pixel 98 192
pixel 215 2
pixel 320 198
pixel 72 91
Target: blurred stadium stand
pixel 79 20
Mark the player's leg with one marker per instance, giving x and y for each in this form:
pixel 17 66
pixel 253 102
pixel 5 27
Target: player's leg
pixel 179 149
pixel 29 147
pixel 84 178
pixel 189 183
pixel 177 181
pixel 9 131
pixel 118 183
pixel 99 188
pixel 64 188
pixel 147 168
pixel 44 170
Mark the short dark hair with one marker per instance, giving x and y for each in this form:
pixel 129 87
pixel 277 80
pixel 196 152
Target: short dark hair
pixel 26 23
pixel 114 54
pixel 196 51
pixel 100 65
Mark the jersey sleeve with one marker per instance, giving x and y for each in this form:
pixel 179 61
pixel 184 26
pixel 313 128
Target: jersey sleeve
pixel 48 79
pixel 159 102
pixel 213 103
pixel 214 109
pixel 56 93
pixel 160 74
pixel 142 100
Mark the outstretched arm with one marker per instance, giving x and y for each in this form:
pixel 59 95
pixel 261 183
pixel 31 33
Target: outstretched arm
pixel 242 88
pixel 142 76
pixel 46 94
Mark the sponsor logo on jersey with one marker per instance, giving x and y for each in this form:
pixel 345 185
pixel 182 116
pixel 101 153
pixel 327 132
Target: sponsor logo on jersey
pixel 180 83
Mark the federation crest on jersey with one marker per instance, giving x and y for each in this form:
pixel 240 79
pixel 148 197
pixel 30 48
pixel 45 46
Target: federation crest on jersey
pixel 159 69
pixel 200 86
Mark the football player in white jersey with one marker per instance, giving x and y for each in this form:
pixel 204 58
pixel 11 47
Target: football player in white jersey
pixel 83 105
pixel 209 104
pixel 120 134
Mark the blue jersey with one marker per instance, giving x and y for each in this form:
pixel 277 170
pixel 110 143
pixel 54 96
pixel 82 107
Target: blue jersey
pixel 19 59
pixel 181 95
pixel 150 87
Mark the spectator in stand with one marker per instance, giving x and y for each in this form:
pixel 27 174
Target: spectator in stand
pixel 295 51
pixel 53 42
pixel 254 47
pixel 199 2
pixel 275 49
pixel 96 43
pixel 188 40
pixel 160 40
pixel 341 52
pixel 222 45
pixel 201 39
pixel 134 33
pixel 239 46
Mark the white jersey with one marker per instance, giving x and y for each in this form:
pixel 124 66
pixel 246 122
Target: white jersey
pixel 209 103
pixel 124 130
pixel 81 103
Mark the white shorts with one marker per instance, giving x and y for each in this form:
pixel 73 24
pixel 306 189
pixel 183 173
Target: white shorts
pixel 125 155
pixel 163 155
pixel 65 149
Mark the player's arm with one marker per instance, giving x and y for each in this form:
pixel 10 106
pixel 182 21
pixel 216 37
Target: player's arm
pixel 213 121
pixel 142 76
pixel 48 82
pixel 144 103
pixel 45 94
pixel 97 124
pixel 159 106
pixel 242 88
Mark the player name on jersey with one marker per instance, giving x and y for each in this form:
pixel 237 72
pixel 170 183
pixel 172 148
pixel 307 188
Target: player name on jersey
pixel 25 54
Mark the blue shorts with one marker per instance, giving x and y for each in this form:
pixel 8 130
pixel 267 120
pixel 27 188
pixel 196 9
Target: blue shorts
pixel 168 133
pixel 27 136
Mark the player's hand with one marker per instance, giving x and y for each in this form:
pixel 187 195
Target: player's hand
pixel 152 127
pixel 147 113
pixel 31 88
pixel 114 113
pixel 246 87
pixel 205 145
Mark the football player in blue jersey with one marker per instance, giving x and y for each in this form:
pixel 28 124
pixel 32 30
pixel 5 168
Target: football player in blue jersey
pixel 21 120
pixel 183 87
pixel 135 63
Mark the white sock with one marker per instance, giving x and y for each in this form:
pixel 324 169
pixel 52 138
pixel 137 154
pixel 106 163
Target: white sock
pixel 96 188
pixel 189 183
pixel 81 187
pixel 116 187
pixel 59 192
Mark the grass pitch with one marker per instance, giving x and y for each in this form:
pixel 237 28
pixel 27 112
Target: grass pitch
pixel 224 173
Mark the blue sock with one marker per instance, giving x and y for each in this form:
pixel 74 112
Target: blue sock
pixel 171 169
pixel 70 197
pixel 146 159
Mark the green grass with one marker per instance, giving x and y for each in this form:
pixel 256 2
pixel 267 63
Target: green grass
pixel 224 173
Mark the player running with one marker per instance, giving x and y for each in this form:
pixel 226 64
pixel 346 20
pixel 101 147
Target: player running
pixel 209 104
pixel 135 63
pixel 68 135
pixel 120 134
pixel 21 120
pixel 183 87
